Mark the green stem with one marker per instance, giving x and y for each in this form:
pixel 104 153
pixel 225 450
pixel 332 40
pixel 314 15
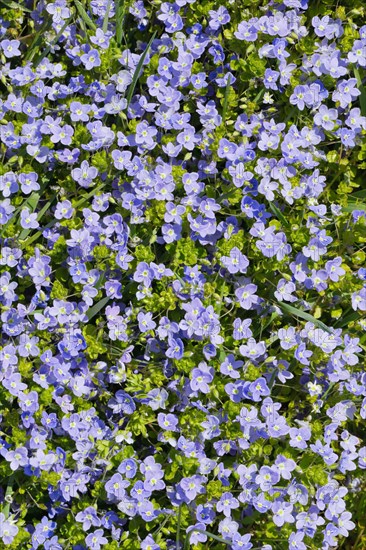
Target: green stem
pixel 207 533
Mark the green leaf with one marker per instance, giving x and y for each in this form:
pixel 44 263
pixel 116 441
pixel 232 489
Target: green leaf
pixel 303 315
pixel 92 312
pixel 84 16
pixel 361 87
pixel 136 74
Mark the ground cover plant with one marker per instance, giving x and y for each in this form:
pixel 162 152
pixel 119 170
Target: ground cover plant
pixel 182 274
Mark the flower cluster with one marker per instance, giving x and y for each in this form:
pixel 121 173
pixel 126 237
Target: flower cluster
pixel 182 274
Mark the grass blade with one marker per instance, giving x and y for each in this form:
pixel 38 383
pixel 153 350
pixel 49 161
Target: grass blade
pixel 120 15
pixel 286 308
pixel 361 87
pixel 277 212
pixel 92 312
pixel 84 16
pixel 14 5
pixel 359 194
pixel 34 237
pixel 259 95
pixel 8 497
pixel 212 536
pixel 32 201
pixel 178 527
pixel 226 99
pixel 351 206
pixel 38 39
pixel 345 321
pixel 136 74
pixel 91 194
pixel 24 234
pixel 52 222
pixel 106 17
pixel 100 282
pixel 268 322
pixel 208 534
pixel 329 389
pixel 52 43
